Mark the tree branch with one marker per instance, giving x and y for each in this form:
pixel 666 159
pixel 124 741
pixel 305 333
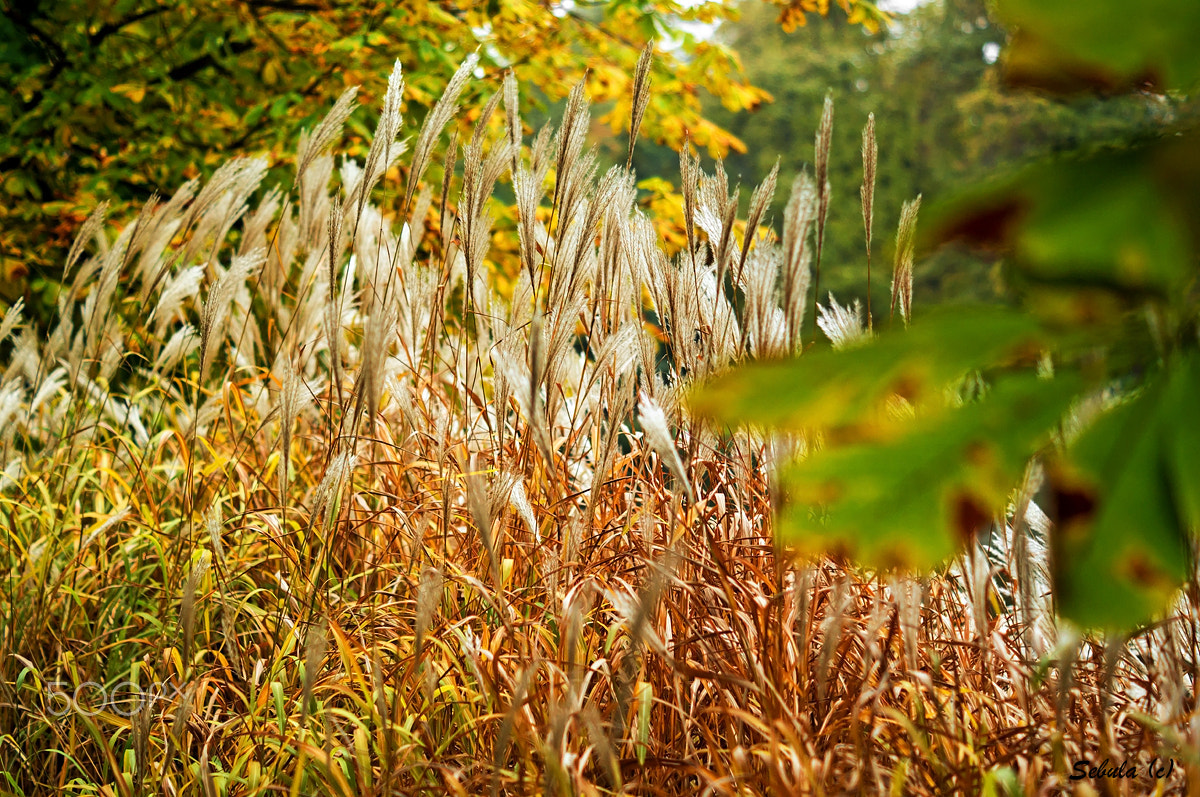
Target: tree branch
pixel 109 28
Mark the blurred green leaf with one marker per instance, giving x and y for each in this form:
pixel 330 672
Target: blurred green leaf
pixel 1182 440
pixel 1123 221
pixel 1064 46
pixel 849 390
pixel 1120 549
pixel 911 502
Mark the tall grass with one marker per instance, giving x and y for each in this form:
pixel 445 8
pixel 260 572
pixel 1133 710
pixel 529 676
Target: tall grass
pixel 376 528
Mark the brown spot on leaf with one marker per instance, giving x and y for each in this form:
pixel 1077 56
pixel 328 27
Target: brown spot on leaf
pixel 1143 571
pixel 907 387
pixel 970 515
pixel 990 227
pixel 1075 506
pixel 1033 62
pixel 978 453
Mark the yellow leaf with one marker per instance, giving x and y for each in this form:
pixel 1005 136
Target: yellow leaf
pixel 130 91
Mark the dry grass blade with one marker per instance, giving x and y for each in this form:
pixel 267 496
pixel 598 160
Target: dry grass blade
pixel 216 305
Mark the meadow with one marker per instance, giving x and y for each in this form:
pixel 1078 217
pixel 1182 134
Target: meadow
pixel 301 493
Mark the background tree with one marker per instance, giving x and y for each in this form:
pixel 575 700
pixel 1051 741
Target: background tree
pixel 943 119
pixel 116 100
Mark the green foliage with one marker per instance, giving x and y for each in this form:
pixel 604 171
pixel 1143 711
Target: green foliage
pixel 850 391
pixel 1109 237
pixel 1066 46
pixel 1127 493
pixel 1123 219
pixel 119 100
pixel 911 500
pixel 943 118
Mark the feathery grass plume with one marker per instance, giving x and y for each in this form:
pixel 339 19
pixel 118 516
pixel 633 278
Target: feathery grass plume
pixel 529 188
pixel 99 303
pixel 689 176
pixel 725 242
pixel 316 640
pixel 233 175
pixel 143 227
pixel 152 266
pixel 870 156
pixel 802 209
pixel 658 434
pixel 760 201
pixel 512 116
pixel 314 145
pixel 212 524
pixel 481 513
pixel 383 144
pixel 87 231
pixel 183 713
pixel 416 227
pixel 254 228
pixel 12 396
pixel 180 345
pixel 230 206
pixel 821 164
pixel 842 325
pixel 12 318
pixel 435 122
pixel 537 372
pixel 641 97
pixel 445 221
pixel 377 335
pixel 908 595
pixel 329 492
pixel 429 596
pixel 216 304
pixel 520 502
pixel 187 610
pixel 541 148
pixel 333 300
pixel 51 384
pixel 571 136
pixel 185 285
pixel 100 530
pixel 902 273
pixel 479 176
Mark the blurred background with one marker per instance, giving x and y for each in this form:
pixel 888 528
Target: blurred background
pixel 117 101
